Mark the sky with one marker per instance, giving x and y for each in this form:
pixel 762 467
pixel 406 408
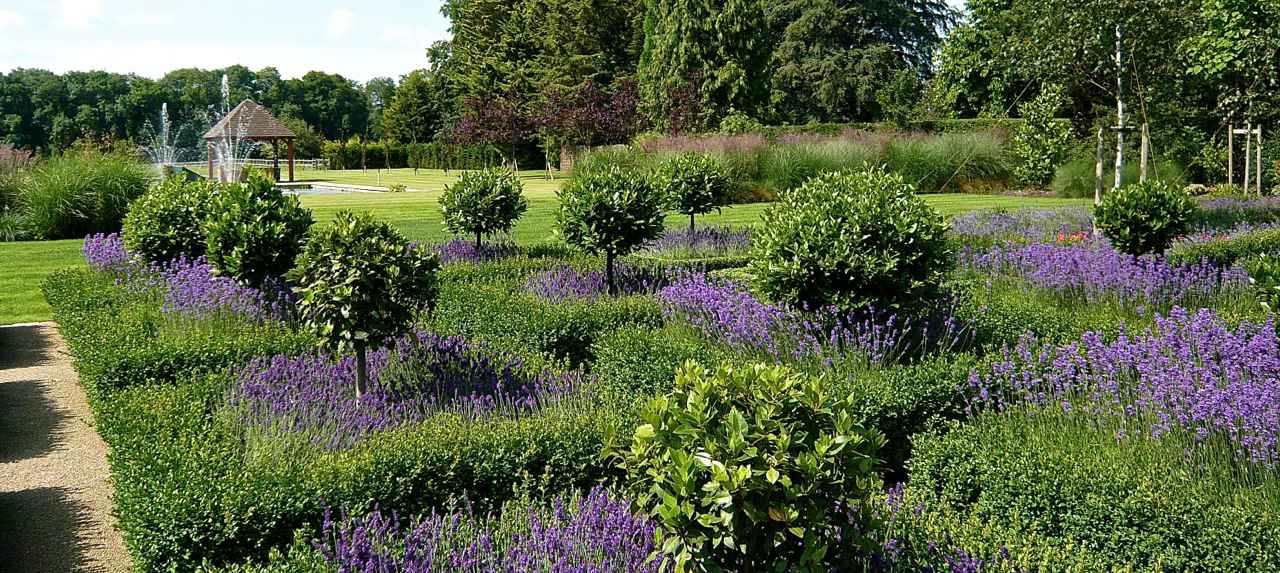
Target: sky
pixel 360 39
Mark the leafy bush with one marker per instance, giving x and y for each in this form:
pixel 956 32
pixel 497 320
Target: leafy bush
pixel 694 184
pixel 77 194
pixel 1077 178
pixel 1040 143
pixel 483 202
pixel 748 469
pixel 854 240
pixel 397 188
pixel 254 231
pixel 1146 217
pixel 1227 251
pixel 609 211
pixel 164 223
pixel 360 284
pixel 1264 276
pixel 642 361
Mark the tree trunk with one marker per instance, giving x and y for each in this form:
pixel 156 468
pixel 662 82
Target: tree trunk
pixel 691 224
pixel 362 372
pixel 608 273
pixel 477 240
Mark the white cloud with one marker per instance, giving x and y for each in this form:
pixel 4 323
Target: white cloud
pixel 78 14
pixel 11 19
pixel 340 23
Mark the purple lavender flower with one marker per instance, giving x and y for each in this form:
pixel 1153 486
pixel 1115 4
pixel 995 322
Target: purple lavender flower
pixel 596 534
pixel 462 250
pixel 314 397
pixel 565 283
pixel 727 311
pixel 191 289
pixel 1096 272
pixel 1190 371
pixel 703 241
pixel 106 254
pixel 1024 226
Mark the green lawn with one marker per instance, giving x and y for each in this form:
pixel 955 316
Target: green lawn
pixel 23 265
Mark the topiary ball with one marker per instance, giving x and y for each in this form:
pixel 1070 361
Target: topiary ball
pixel 254 231
pixel 1145 218
pixel 483 202
pixel 164 223
pixel 693 184
pixel 856 240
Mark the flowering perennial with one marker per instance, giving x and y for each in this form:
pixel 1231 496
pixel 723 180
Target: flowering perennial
pixel 1096 271
pixel 463 250
pixel 706 241
pixel 597 534
pixel 565 283
pixel 1025 226
pixel 314 397
pixel 728 311
pixel 188 287
pixel 1191 371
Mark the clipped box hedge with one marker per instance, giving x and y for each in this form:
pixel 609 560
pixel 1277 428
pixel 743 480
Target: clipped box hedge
pixel 1227 252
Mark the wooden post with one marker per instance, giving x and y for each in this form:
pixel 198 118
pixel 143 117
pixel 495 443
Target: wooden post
pixel 1258 163
pixel 1248 139
pixel 1231 153
pixel 1097 172
pixel 1146 154
pixel 291 161
pixel 209 146
pixel 275 158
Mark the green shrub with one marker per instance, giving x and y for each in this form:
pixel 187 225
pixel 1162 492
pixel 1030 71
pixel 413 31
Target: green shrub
pixel 1077 178
pixel 1229 251
pixel 397 188
pixel 164 223
pixel 854 240
pixel 77 194
pixel 1135 503
pixel 610 212
pixel 483 202
pixel 737 123
pixel 1145 217
pixel 1040 143
pixel 360 285
pixel 693 184
pixel 254 231
pixel 746 469
pixel 1264 277
pixel 121 338
pixel 642 361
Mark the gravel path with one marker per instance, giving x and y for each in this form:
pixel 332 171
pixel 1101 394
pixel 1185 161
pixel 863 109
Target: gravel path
pixel 55 497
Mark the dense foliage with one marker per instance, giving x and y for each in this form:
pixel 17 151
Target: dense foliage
pixel 165 222
pixel 254 231
pixel 483 202
pixel 747 469
pixel 694 184
pixel 1146 217
pixel 856 240
pixel 361 284
pixel 610 211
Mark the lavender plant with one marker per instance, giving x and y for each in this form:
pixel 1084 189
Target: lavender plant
pixel 566 283
pixel 310 398
pixel 461 250
pixel 592 534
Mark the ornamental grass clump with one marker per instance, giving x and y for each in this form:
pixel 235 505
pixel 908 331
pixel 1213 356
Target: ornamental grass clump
pixel 253 231
pixel 595 533
pixel 1145 218
pixel 360 284
pixel 854 240
pixel 1191 372
pixel 483 202
pixel 610 211
pixel 694 184
pixel 749 469
pixel 164 223
pixel 310 398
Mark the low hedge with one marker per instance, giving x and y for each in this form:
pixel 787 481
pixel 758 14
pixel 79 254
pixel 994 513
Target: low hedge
pixel 512 319
pixel 190 490
pixel 1132 503
pixel 1227 252
pixel 121 338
